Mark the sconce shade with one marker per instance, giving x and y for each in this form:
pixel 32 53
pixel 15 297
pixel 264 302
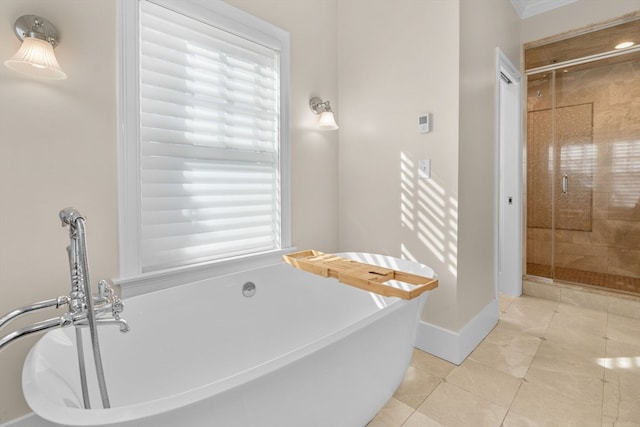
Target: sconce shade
pixel 35 57
pixel 327 121
pixel 323 108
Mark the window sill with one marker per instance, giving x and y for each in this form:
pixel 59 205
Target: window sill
pixel 157 280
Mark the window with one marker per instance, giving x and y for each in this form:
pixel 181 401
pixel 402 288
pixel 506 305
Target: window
pixel 204 147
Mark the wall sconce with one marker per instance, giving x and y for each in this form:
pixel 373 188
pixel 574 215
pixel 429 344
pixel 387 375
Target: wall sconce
pixel 326 120
pixel 35 57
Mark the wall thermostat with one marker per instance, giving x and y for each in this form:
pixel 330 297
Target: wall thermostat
pixel 424 123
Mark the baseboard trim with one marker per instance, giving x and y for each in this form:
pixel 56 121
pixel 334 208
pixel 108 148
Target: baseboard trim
pixel 456 346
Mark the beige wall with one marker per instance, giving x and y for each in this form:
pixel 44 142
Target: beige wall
pixel 478 147
pixel 57 148
pixel 397 60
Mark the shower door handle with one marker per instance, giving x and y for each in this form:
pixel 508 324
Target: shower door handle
pixel 565 183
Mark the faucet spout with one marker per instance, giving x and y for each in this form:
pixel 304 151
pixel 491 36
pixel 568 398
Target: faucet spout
pixel 124 326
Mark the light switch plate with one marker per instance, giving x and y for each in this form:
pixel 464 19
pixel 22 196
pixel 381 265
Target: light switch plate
pixel 424 169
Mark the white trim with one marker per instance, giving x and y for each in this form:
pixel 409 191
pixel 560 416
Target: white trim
pixel 128 154
pixel 285 143
pixel 456 346
pixel 230 19
pixel 528 8
pixel 225 17
pixel 502 61
pixel 505 67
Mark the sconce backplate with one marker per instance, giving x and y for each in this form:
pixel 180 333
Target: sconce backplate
pixel 36 26
pixel 314 103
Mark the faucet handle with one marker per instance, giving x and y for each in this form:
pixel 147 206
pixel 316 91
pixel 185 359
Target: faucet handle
pixel 117 307
pixel 66 320
pixel 62 300
pixel 105 292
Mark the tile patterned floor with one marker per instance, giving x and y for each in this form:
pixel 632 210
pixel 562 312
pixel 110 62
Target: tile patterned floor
pixel 546 363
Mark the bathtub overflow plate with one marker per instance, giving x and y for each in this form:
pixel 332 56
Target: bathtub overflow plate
pixel 249 289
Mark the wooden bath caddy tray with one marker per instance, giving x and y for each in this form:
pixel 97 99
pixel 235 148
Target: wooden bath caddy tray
pixel 369 277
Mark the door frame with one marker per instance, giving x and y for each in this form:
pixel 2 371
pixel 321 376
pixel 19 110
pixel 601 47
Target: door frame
pixel 507 73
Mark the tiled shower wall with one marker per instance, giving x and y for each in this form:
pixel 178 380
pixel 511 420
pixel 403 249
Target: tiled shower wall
pixel 612 245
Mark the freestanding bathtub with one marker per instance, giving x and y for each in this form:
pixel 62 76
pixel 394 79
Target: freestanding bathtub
pixel 303 351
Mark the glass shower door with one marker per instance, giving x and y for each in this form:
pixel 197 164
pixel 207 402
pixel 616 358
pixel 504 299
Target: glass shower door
pixel 583 165
pixel 597 138
pixel 575 154
pixel 540 174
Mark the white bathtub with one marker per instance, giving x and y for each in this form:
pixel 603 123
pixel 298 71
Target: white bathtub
pixel 303 351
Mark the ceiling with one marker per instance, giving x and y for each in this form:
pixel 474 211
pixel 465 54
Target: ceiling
pixel 528 8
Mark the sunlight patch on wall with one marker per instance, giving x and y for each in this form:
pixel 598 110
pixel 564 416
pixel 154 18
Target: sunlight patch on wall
pixel 429 212
pixel 407 194
pixel 406 253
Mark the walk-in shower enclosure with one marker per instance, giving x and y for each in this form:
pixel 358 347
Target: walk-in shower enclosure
pixel 583 159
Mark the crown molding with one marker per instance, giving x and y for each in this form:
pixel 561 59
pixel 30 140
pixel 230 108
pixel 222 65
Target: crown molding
pixel 529 8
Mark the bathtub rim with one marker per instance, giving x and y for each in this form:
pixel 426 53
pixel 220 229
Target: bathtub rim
pixel 66 415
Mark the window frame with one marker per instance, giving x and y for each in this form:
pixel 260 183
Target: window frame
pixel 235 21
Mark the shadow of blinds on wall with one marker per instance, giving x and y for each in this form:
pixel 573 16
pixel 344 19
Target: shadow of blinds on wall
pixel 209 141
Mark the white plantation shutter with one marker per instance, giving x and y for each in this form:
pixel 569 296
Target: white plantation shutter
pixel 209 142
